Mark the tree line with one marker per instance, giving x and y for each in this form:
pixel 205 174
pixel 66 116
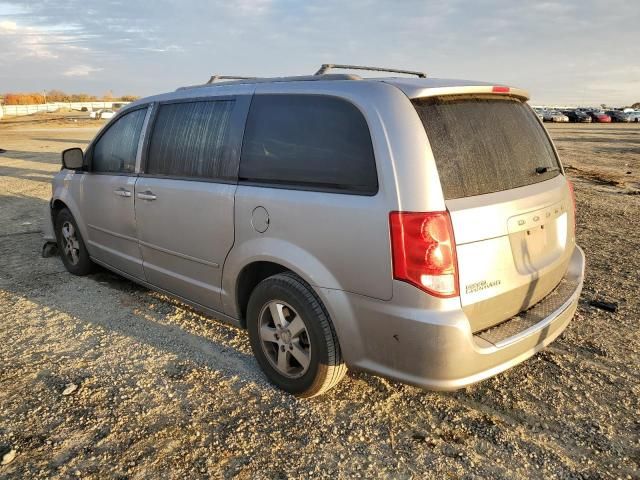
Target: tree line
pixel 60 96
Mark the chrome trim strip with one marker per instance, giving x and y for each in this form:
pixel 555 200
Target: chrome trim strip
pixel 180 255
pixel 116 253
pixel 154 247
pixel 109 232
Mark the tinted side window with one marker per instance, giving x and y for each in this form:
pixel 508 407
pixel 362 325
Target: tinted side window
pixel 115 151
pixel 310 141
pixel 191 139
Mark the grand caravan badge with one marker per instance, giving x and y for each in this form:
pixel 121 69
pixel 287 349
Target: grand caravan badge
pixel 481 285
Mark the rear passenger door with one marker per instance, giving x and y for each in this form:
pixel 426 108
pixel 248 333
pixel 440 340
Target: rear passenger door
pixel 184 198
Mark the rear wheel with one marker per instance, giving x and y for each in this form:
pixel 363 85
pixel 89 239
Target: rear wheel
pixel 71 246
pixel 292 336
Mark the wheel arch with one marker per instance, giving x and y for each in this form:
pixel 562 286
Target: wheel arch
pixel 260 258
pixel 64 200
pixel 248 278
pixel 56 206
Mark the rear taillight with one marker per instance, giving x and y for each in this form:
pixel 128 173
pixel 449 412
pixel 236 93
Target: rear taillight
pixel 500 89
pixel 573 199
pixel 424 251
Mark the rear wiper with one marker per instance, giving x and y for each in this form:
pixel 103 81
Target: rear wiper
pixel 541 170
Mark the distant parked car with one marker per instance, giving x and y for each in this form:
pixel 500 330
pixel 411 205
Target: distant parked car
pixel 634 116
pixel 577 116
pixel 599 116
pixel 102 113
pixel 539 113
pixel 554 116
pixel 619 116
pixel 107 114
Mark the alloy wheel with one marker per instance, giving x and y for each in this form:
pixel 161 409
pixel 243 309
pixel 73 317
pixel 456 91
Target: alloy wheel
pixel 71 246
pixel 284 339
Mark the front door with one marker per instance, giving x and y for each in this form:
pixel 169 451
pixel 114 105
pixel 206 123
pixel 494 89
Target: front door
pixel 107 195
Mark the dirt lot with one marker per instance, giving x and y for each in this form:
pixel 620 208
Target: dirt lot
pixel 163 392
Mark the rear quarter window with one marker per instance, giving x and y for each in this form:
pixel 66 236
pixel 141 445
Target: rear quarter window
pixel 308 141
pixel 485 144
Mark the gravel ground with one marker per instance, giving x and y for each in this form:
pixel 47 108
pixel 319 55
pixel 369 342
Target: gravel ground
pixel 164 392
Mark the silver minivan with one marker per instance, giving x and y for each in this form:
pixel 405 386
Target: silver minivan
pixel 421 229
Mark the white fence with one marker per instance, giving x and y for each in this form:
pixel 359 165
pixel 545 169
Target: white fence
pixel 17 110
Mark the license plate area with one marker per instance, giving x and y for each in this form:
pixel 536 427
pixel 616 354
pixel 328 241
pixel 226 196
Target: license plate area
pixel 538 238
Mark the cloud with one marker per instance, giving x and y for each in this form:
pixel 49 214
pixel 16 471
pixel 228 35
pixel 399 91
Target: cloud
pixel 168 48
pixel 552 7
pixel 19 40
pixel 80 71
pixel 11 9
pixel 253 7
pixel 8 26
pixel 552 48
pixel 23 40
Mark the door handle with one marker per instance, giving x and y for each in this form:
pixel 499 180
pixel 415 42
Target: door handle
pixel 122 192
pixel 146 195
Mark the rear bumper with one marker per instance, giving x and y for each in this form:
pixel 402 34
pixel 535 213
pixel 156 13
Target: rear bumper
pixel 438 351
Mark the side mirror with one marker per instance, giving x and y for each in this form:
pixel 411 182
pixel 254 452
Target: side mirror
pixel 72 158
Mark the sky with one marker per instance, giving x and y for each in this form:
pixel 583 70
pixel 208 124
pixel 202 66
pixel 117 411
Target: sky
pixel 567 52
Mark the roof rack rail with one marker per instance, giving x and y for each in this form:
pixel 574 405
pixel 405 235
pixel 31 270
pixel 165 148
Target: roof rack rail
pixel 330 66
pixel 217 78
pixel 233 80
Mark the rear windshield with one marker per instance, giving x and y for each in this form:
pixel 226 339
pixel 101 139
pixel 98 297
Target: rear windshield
pixel 485 144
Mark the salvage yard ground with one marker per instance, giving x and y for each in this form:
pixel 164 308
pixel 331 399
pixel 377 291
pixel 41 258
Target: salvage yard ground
pixel 163 391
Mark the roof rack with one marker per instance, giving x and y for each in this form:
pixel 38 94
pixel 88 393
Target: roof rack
pixel 330 66
pixel 217 78
pixel 230 79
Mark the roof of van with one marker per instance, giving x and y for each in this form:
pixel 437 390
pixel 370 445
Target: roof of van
pixel 412 87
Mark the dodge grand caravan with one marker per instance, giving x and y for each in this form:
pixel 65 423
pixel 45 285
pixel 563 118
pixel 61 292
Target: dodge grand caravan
pixel 421 229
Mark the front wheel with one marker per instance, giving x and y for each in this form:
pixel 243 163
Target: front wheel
pixel 292 336
pixel 71 245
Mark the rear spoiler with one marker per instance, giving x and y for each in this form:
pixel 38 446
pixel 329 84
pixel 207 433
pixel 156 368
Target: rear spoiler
pixel 470 90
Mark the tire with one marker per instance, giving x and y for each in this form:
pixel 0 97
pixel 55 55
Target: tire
pixel 273 341
pixel 71 245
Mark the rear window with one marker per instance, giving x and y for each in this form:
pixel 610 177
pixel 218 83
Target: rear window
pixel 484 145
pixel 312 142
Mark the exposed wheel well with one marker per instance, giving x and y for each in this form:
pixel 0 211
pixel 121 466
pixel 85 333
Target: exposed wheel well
pixel 56 207
pixel 249 277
